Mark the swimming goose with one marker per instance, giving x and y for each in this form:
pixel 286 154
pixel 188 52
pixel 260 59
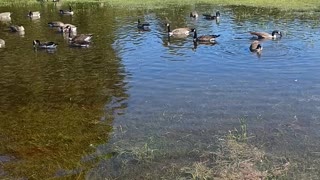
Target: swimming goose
pixel 5 15
pixel 255 47
pixel 35 14
pixel 212 17
pixel 45 45
pixel 16 28
pixel 179 31
pixel 194 14
pixel 143 26
pixel 81 38
pixel 264 35
pixel 56 24
pixel 204 38
pixel 66 27
pixel 66 12
pixel 2 43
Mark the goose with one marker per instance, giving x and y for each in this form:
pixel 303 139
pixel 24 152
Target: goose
pixel 264 35
pixel 81 38
pixel 194 14
pixel 2 43
pixel 212 17
pixel 255 47
pixel 82 44
pixel 5 15
pixel 66 12
pixel 143 26
pixel 179 31
pixel 16 28
pixel 56 24
pixel 35 14
pixel 65 28
pixel 45 45
pixel 204 38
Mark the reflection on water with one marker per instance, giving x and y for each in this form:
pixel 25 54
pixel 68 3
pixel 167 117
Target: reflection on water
pixel 165 94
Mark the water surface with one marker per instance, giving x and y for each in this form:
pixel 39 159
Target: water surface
pixel 157 93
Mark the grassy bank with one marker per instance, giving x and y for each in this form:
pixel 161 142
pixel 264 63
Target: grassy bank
pixel 281 4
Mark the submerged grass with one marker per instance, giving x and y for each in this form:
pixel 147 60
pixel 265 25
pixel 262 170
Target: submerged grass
pixel 280 4
pixel 228 156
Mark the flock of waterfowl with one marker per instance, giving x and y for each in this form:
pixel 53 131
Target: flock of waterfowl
pixel 69 30
pixel 84 40
pixel 255 46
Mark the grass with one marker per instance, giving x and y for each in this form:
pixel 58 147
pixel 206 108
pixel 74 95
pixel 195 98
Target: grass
pixel 280 4
pixel 228 156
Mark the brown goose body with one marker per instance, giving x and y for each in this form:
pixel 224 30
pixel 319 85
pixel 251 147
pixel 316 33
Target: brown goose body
pixel 2 43
pixel 204 38
pixel 179 31
pixel 56 24
pixel 255 46
pixel 265 35
pixel 5 15
pixel 212 17
pixel 16 28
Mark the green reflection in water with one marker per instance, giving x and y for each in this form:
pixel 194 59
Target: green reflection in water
pixel 52 110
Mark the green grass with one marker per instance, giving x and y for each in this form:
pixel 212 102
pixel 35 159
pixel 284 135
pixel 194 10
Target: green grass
pixel 280 4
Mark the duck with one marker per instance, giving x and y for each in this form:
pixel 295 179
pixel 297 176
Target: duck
pixel 55 24
pixel 5 15
pixel 204 38
pixel 66 12
pixel 179 31
pixel 255 47
pixel 143 26
pixel 2 43
pixel 16 28
pixel 264 35
pixel 80 38
pixel 212 17
pixel 194 14
pixel 35 14
pixel 45 45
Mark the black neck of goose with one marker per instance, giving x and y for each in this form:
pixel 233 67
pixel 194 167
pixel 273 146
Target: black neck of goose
pixel 194 35
pixel 69 32
pixel 30 13
pixel 169 29
pixel 139 21
pixel 218 14
pixel 70 9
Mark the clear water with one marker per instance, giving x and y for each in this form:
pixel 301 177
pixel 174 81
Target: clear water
pixel 165 92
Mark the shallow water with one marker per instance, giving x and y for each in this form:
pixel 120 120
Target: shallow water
pixel 161 92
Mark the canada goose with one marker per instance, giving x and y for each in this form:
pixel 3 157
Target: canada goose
pixel 143 26
pixel 56 24
pixel 2 43
pixel 255 47
pixel 35 14
pixel 45 45
pixel 5 14
pixel 80 39
pixel 16 28
pixel 179 31
pixel 204 38
pixel 264 35
pixel 65 28
pixel 194 14
pixel 66 12
pixel 82 44
pixel 212 17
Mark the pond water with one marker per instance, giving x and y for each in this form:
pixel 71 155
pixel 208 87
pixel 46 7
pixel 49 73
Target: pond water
pixel 163 98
